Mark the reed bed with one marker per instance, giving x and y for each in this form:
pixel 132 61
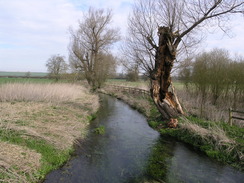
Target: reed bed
pixel 40 92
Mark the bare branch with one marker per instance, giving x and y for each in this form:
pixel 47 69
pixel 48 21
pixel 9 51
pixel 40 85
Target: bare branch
pixel 178 24
pixel 90 44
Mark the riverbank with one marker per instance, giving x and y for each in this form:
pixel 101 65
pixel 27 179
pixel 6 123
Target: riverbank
pixel 38 127
pixel 217 140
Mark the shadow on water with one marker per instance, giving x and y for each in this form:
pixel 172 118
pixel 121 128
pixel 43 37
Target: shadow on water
pixel 130 151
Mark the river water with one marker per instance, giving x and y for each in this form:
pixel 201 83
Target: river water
pixel 126 153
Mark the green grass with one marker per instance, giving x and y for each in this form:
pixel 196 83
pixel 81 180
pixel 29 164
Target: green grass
pixel 99 130
pixel 52 155
pixel 209 147
pixel 30 80
pixel 91 117
pixel 141 83
pixel 156 168
pixel 123 82
pixel 234 131
pixel 51 158
pixel 25 80
pixel 178 85
pixel 33 74
pixel 226 153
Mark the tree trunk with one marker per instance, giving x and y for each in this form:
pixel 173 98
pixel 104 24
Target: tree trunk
pixel 165 100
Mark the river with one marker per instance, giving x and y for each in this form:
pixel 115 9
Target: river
pixel 131 151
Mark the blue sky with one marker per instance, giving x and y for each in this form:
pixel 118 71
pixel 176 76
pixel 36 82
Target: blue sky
pixel 33 30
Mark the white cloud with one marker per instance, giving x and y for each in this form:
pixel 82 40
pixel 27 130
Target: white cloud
pixel 32 30
pixel 232 41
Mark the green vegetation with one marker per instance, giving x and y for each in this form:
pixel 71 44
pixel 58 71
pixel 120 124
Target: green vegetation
pixel 218 140
pixel 214 82
pixel 91 117
pixel 99 130
pixel 216 76
pixel 25 80
pixel 156 168
pixel 38 126
pixel 52 158
pixel 123 82
pixel 140 83
pixel 32 74
pixel 132 73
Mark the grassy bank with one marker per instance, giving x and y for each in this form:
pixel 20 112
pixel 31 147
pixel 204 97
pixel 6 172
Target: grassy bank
pixel 139 84
pixel 122 82
pixel 217 140
pixel 39 125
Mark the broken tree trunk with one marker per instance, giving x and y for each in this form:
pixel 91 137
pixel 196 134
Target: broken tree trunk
pixel 165 100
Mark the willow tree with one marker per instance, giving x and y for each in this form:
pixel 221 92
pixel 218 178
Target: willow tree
pixel 90 45
pixel 160 29
pixel 56 66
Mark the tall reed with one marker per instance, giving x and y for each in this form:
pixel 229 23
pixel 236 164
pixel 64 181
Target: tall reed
pixel 40 92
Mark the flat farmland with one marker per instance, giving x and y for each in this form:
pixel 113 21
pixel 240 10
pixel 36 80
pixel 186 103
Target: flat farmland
pixel 33 74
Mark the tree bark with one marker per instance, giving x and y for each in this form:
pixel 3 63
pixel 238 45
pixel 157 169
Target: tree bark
pixel 165 100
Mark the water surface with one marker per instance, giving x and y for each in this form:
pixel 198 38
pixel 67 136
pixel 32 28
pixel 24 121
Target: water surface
pixel 127 151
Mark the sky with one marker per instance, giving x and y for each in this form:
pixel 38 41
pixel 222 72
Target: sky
pixel 31 31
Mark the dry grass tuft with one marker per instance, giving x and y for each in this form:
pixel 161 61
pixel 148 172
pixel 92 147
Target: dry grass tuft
pixel 192 105
pixel 17 161
pixel 58 122
pixel 214 135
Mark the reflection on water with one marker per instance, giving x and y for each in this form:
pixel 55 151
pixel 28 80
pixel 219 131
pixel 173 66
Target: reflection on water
pixel 187 166
pixel 127 151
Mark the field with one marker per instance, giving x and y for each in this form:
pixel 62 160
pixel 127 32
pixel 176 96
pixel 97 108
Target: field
pixel 38 126
pixel 33 74
pixel 139 84
pixel 14 77
pixel 25 80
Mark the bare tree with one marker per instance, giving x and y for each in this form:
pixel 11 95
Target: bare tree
pixel 106 67
pixel 91 42
pixel 236 80
pixel 159 30
pixel 56 66
pixel 185 71
pixel 132 74
pixel 28 74
pixel 131 69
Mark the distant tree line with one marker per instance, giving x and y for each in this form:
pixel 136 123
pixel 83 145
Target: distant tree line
pixel 216 75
